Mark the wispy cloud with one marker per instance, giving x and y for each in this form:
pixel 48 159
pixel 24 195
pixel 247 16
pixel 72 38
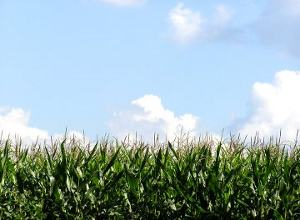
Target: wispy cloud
pixel 276 107
pixel 278 26
pixel 188 25
pixel 148 117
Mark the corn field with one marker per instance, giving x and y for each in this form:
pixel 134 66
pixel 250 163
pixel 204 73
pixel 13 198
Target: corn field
pixel 119 180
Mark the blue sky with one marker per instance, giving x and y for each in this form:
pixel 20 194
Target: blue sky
pixel 83 64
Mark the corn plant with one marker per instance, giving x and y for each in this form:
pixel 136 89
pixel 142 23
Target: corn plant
pixel 112 179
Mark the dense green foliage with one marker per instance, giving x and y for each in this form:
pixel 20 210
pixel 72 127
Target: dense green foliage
pixel 111 180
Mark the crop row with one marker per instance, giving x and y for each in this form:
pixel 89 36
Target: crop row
pixel 115 180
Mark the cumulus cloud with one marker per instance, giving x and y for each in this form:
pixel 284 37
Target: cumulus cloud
pixel 276 107
pixel 278 25
pixel 188 25
pixel 150 117
pixel 15 121
pixel 122 3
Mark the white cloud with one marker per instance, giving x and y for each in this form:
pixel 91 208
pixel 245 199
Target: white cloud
pixel 151 117
pixel 122 3
pixel 276 107
pixel 188 25
pixel 276 27
pixel 15 121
